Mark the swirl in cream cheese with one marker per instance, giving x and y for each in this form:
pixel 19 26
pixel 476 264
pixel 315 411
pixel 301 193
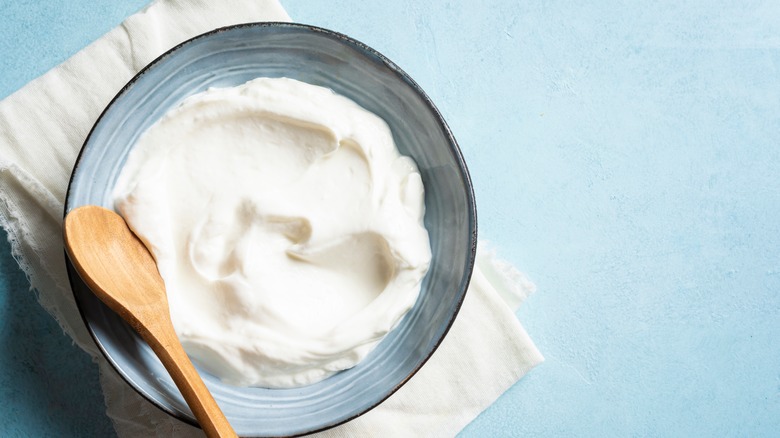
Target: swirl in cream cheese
pixel 286 225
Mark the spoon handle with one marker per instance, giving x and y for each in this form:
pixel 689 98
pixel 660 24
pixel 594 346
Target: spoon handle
pixel 162 339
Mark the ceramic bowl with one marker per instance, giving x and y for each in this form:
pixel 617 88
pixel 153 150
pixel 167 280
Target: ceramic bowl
pixel 231 56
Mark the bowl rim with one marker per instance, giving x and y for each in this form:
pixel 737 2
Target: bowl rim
pixel 349 41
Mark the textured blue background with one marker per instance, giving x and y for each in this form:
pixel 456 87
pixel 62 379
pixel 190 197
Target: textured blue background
pixel 627 158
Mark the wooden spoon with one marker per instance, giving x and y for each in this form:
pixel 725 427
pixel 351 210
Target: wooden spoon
pixel 119 269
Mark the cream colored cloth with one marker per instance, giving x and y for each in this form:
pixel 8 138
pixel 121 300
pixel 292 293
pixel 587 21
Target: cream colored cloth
pixel 42 127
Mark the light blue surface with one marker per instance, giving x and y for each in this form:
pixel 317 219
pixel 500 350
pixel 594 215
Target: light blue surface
pixel 625 157
pixel 231 57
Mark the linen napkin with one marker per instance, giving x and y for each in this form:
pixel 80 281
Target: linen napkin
pixel 42 128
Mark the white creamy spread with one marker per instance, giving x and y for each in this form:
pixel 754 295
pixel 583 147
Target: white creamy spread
pixel 286 225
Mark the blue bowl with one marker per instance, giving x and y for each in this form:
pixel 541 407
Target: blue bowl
pixel 231 56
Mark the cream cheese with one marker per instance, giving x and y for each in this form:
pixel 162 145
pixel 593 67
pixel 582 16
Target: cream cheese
pixel 286 225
